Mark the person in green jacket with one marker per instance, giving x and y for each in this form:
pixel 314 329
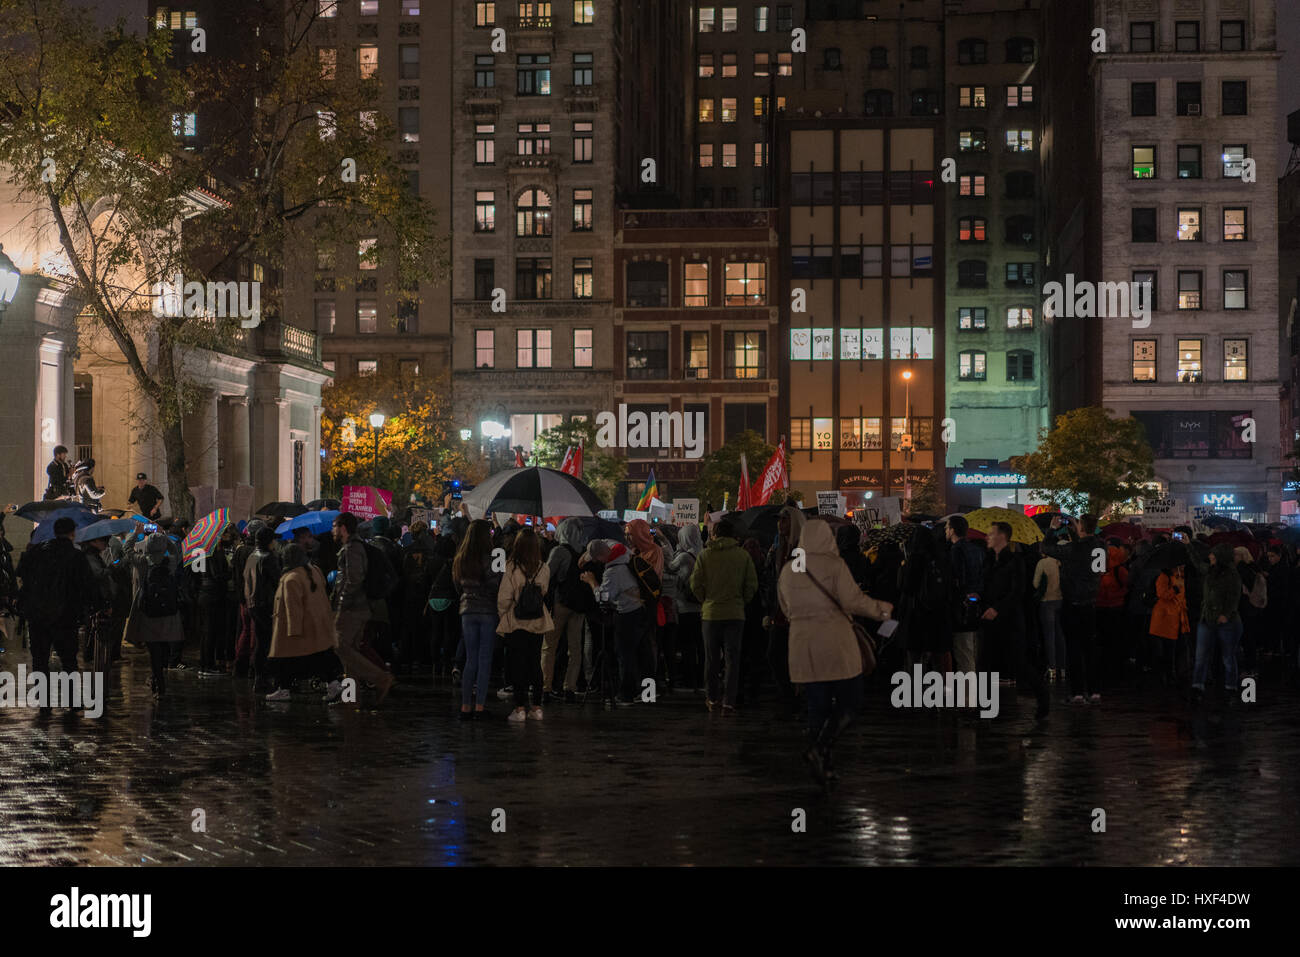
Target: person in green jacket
pixel 1220 624
pixel 724 580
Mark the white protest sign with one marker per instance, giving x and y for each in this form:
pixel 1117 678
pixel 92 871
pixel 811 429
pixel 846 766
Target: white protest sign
pixel 630 514
pixel 686 511
pixel 1161 512
pixel 828 503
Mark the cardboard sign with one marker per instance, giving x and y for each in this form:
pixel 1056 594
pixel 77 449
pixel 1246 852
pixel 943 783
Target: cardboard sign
pixel 686 511
pixel 630 514
pixel 366 501
pixel 828 503
pixel 609 514
pixel 1162 512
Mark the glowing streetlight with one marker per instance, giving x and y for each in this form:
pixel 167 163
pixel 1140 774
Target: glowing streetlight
pixel 377 423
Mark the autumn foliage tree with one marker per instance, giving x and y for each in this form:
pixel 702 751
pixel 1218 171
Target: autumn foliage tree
pixel 419 445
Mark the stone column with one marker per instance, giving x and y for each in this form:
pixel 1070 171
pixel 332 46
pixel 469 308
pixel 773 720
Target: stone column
pixel 313 454
pixel 239 443
pixel 203 467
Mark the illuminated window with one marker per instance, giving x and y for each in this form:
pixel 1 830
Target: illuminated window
pixel 697 284
pixel 584 11
pixel 366 253
pixel 1189 360
pixel 582 348
pixel 706 19
pixel 582 278
pixel 484 348
pixel 972 141
pixel 485 211
pixel 972 97
pixel 533 349
pixel 485 146
pixel 1234 224
pixel 746 284
pixel 1020 95
pixel 972 229
pixel 972 364
pixel 1234 158
pixel 1020 141
pixel 704 65
pixel 729 155
pixel 762 64
pixel 1189 225
pixel 1020 317
pixel 728 66
pixel 1144 360
pixel 1189 289
pixel 1234 360
pixel 329 62
pixel 696 347
pixel 971 184
pixel 367 366
pixel 485 14
pixel 728 109
pixel 706 155
pixel 704 109
pixel 972 318
pixel 533 213
pixel 744 355
pixel 1144 162
pixel 367 316
pixel 326 8
pixel 368 61
pixel 1235 285
pixel 582 206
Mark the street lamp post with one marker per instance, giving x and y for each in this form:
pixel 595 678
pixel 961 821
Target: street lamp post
pixel 905 445
pixel 376 423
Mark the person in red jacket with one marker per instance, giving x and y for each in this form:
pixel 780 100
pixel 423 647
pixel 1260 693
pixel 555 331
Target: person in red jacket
pixel 1112 593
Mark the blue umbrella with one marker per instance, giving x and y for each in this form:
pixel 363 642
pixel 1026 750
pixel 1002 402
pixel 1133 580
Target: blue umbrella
pixel 318 523
pixel 44 532
pixel 105 528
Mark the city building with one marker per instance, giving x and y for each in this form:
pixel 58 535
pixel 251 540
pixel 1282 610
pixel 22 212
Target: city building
pixel 1186 152
pixel 696 324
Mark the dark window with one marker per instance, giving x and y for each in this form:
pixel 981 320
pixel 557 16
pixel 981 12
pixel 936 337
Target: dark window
pixel 911 188
pixel 1146 277
pixel 1020 274
pixel 1189 162
pixel 972 273
pixel 878 58
pixel 972 51
pixel 812 189
pixel 784 19
pixel 532 279
pixel 1142 37
pixel 831 58
pixel 862 188
pixel 972 318
pixel 1196 435
pixel 1020 366
pixel 879 103
pixel 1144 224
pixel 704 197
pixel 920 58
pixel 647 285
pixel 647 355
pixel 484 74
pixel 582 69
pixel 1187 36
pixel 485 271
pixel 811 262
pixel 1020 185
pixel 925 102
pixel 1234 97
pixel 1020 50
pixel 1020 230
pixel 1142 97
pixel 739 417
pixel 1232 35
pixel 1189 98
pixel 533 74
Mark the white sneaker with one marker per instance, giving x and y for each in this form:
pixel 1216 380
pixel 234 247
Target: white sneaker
pixel 333 691
pixel 506 692
pixel 283 694
pixel 535 714
pixel 518 716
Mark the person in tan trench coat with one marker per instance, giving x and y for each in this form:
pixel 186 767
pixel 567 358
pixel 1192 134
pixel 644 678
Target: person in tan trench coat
pixel 824 655
pixel 302 633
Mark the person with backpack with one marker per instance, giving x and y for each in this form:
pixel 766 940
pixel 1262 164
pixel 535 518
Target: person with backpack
pixel 351 600
pixel 1219 628
pixel 479 586
pixel 573 601
pixel 261 578
pixel 522 619
pixel 155 619
pixel 56 596
pixel 724 580
pixel 690 637
pixel 624 589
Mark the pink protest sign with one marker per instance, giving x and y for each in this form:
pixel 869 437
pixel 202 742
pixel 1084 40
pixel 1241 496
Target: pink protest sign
pixel 366 501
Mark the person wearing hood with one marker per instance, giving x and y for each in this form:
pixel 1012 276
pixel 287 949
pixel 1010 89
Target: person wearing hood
pixel 1219 628
pixel 302 637
pixel 789 525
pixel 572 601
pixel 690 637
pixel 820 600
pixel 724 580
pixel 620 587
pixel 155 618
pixel 523 619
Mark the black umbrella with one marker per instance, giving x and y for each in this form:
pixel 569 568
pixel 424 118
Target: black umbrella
pixel 760 522
pixel 1168 555
pixel 38 511
pixel 316 504
pixel 534 491
pixel 1223 523
pixel 281 510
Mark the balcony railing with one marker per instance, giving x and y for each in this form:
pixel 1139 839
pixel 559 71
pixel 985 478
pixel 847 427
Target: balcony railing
pixel 532 23
pixel 697 218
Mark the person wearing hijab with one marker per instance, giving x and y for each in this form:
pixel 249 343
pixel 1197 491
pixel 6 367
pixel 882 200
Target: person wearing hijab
pixel 302 636
pixel 642 540
pixel 789 525
pixel 689 636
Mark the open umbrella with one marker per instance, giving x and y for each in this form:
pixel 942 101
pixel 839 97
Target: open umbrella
pixel 1023 528
pixel 44 530
pixel 318 523
pixel 323 503
pixel 760 522
pixel 1124 531
pixel 203 536
pixel 105 528
pixel 38 511
pixel 1168 555
pixel 1223 523
pixel 533 491
pixel 279 511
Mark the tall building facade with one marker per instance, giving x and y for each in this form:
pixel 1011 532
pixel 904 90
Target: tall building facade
pixel 1186 145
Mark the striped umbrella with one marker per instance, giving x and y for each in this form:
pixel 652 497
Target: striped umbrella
pixel 203 536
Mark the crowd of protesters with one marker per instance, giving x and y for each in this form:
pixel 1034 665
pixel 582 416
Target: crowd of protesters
pixel 551 614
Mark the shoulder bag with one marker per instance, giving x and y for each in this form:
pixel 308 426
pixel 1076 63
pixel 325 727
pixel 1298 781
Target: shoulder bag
pixel 866 645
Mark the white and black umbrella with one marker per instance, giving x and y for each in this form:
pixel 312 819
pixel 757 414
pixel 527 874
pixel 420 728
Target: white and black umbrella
pixel 533 491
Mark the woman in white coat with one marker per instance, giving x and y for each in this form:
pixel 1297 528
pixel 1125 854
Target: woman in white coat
pixel 818 596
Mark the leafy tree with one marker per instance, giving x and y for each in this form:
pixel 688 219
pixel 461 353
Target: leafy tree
pixel 927 495
pixel 419 446
pixel 601 470
pixel 1089 461
pixel 720 469
pixel 88 137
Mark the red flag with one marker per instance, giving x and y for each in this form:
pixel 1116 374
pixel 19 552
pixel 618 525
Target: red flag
pixel 519 457
pixel 566 464
pixel 577 463
pixel 572 463
pixel 774 476
pixel 742 495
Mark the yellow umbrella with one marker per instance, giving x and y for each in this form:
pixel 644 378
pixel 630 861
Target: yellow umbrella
pixel 1023 528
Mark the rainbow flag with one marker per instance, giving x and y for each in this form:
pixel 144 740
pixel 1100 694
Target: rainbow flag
pixel 651 492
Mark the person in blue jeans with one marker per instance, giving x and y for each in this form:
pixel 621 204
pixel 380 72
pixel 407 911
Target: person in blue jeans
pixel 1219 624
pixel 477 585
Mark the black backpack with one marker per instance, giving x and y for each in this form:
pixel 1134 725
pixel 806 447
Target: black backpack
pixel 647 578
pixel 573 592
pixel 161 596
pixel 442 593
pixel 381 579
pixel 531 603
pixel 46 593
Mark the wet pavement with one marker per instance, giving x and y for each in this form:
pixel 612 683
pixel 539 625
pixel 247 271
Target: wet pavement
pixel 302 783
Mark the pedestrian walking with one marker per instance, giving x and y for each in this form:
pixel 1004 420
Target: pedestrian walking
pixel 789 524
pixel 352 607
